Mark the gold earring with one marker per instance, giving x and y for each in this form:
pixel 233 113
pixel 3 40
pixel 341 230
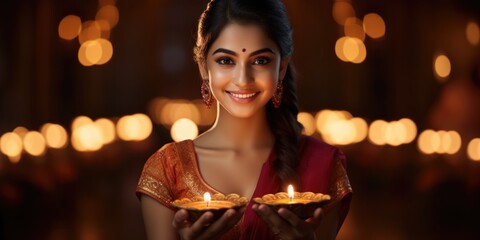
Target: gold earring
pixel 277 96
pixel 206 94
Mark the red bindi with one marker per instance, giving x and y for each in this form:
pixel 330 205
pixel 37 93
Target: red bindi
pixel 243 50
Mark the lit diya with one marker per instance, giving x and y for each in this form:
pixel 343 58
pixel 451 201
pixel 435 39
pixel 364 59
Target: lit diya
pixel 216 203
pixel 301 203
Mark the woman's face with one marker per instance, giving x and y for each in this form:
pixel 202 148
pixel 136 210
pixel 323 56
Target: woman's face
pixel 243 67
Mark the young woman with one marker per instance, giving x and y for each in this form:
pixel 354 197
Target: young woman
pixel 255 147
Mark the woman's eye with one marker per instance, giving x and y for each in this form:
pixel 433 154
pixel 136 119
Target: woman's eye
pixel 224 61
pixel 261 61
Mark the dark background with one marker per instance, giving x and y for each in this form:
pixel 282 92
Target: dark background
pixel 400 193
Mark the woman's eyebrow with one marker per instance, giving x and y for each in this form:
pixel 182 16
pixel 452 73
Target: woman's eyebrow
pixel 269 50
pixel 223 50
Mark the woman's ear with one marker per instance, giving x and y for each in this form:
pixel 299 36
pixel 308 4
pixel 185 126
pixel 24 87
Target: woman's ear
pixel 283 67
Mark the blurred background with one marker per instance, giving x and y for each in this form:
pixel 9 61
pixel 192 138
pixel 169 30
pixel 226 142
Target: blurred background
pixel 90 89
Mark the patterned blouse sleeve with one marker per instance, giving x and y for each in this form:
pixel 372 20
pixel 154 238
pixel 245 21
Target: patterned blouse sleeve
pixel 157 178
pixel 340 188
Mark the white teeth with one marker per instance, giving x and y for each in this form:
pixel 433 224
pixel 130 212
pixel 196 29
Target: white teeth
pixel 238 95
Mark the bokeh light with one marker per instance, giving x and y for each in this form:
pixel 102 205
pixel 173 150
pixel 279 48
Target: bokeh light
pixel 69 27
pixel 361 129
pixel 473 149
pixel 107 127
pixel 376 132
pixel 183 129
pixel 442 67
pixel 177 109
pixel 373 25
pixel 55 135
pixel 90 31
pixel 473 33
pixel 11 145
pixel 341 11
pixel 109 13
pixel 136 127
pixel 353 28
pixel 98 51
pixel 411 129
pixel 441 142
pixel 34 143
pixel 87 138
pixel 308 122
pixel 428 141
pixel 21 131
pixel 350 49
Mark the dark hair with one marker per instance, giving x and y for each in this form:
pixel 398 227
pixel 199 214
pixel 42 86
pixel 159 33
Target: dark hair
pixel 272 17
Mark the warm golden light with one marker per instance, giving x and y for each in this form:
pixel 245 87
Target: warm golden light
pixel 87 137
pixel 93 51
pixel 80 121
pixel 82 56
pixel 324 117
pixel 373 25
pixel 456 143
pixel 55 135
pixel 108 13
pixel 428 141
pixel 135 127
pixel 11 145
pixel 290 192
pixel 362 51
pixel 207 198
pixel 342 10
pixel 21 131
pixel 69 27
pixel 339 49
pixel 107 51
pixel 411 129
pixel 339 132
pixel 395 133
pixel 442 142
pixel 361 129
pixel 308 122
pixel 353 28
pixel 350 49
pixel 98 51
pixel 473 33
pixel 34 143
pixel 376 132
pixel 177 109
pixel 183 129
pixel 442 67
pixel 107 128
pixel 473 149
pixel 90 31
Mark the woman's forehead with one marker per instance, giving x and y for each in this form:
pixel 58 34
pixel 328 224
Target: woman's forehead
pixel 243 38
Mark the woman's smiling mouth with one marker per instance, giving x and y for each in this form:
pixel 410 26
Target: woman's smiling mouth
pixel 242 97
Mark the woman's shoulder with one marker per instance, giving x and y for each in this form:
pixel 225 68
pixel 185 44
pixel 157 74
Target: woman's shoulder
pixel 173 152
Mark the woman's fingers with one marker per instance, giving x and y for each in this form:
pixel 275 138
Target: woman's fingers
pixel 204 228
pixel 271 218
pixel 286 224
pixel 180 219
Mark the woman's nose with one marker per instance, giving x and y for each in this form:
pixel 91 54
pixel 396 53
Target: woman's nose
pixel 243 76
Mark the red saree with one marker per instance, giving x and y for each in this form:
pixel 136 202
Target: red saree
pixel 172 172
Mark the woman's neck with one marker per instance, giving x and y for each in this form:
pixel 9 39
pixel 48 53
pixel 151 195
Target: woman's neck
pixel 241 133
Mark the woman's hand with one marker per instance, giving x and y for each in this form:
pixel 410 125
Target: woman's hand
pixel 286 225
pixel 204 228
